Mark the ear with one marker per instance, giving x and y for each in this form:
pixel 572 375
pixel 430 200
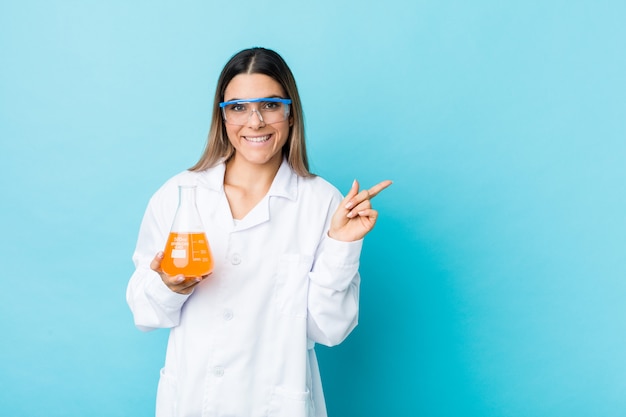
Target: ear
pixel 290 121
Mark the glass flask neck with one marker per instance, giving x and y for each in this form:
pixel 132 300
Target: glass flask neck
pixel 186 195
pixel 187 218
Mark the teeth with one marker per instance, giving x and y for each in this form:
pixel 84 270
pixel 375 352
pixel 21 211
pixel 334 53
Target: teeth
pixel 258 139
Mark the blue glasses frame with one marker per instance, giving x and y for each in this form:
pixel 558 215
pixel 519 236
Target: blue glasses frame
pixel 285 101
pixel 256 100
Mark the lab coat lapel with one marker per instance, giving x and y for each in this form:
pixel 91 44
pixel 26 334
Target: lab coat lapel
pixel 285 185
pixel 214 199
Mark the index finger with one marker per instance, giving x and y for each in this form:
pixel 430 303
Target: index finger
pixel 378 188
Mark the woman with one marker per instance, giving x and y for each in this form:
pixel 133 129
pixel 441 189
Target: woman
pixel 286 249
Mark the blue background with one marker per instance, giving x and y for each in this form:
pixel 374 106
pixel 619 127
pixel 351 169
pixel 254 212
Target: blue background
pixel 494 282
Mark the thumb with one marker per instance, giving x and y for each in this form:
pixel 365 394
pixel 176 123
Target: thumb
pixel 347 203
pixel 354 190
pixel 155 265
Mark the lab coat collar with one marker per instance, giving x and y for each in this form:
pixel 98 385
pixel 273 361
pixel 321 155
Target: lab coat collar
pixel 213 178
pixel 285 183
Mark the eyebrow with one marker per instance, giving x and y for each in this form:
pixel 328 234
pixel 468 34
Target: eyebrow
pixel 252 98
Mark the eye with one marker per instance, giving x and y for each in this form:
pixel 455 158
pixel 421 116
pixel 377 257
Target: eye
pixel 237 107
pixel 271 106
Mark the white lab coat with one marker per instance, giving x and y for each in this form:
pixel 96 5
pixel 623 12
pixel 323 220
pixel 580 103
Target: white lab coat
pixel 242 343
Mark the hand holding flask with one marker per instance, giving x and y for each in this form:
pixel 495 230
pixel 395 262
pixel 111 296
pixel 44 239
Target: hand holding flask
pixel 187 250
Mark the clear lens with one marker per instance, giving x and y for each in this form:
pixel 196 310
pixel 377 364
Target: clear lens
pixel 270 111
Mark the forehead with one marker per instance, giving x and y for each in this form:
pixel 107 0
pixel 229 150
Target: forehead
pixel 252 86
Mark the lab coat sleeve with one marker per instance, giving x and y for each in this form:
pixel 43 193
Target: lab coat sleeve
pixel 152 303
pixel 334 282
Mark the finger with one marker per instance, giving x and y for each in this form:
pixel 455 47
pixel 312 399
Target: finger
pixel 355 197
pixel 368 218
pixel 183 285
pixel 191 281
pixel 378 188
pixel 368 194
pixel 368 213
pixel 363 205
pixel 354 189
pixel 155 265
pixel 176 282
pixel 189 284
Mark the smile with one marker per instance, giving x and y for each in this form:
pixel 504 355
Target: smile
pixel 257 139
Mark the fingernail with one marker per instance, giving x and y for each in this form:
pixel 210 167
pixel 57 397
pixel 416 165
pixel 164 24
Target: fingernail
pixel 160 255
pixel 180 278
pixel 349 205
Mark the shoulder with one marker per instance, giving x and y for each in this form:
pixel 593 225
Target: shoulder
pixel 202 178
pixel 319 189
pixel 182 178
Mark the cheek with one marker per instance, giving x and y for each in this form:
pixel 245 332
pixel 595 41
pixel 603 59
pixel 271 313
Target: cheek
pixel 232 132
pixel 284 132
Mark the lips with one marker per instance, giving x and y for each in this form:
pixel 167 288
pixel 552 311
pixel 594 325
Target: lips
pixel 257 139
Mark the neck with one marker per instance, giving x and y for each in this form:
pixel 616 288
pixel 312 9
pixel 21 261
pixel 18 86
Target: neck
pixel 249 176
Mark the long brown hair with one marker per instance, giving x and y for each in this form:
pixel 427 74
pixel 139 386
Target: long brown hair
pixel 256 61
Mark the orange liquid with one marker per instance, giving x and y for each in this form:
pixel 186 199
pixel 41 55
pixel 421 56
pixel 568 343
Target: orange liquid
pixel 188 254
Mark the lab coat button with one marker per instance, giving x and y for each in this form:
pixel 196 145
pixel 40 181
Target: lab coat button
pixel 218 371
pixel 228 314
pixel 235 259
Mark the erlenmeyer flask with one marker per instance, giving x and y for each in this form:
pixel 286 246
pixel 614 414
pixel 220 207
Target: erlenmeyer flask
pixel 187 249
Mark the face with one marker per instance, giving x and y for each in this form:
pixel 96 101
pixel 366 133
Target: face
pixel 256 142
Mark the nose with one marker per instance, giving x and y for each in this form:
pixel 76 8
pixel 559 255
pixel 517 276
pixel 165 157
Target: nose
pixel 255 121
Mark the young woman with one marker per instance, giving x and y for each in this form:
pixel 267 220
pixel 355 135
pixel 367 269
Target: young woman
pixel 286 247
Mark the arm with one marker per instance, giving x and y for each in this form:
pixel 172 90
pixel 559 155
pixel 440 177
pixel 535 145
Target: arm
pixel 153 304
pixel 334 284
